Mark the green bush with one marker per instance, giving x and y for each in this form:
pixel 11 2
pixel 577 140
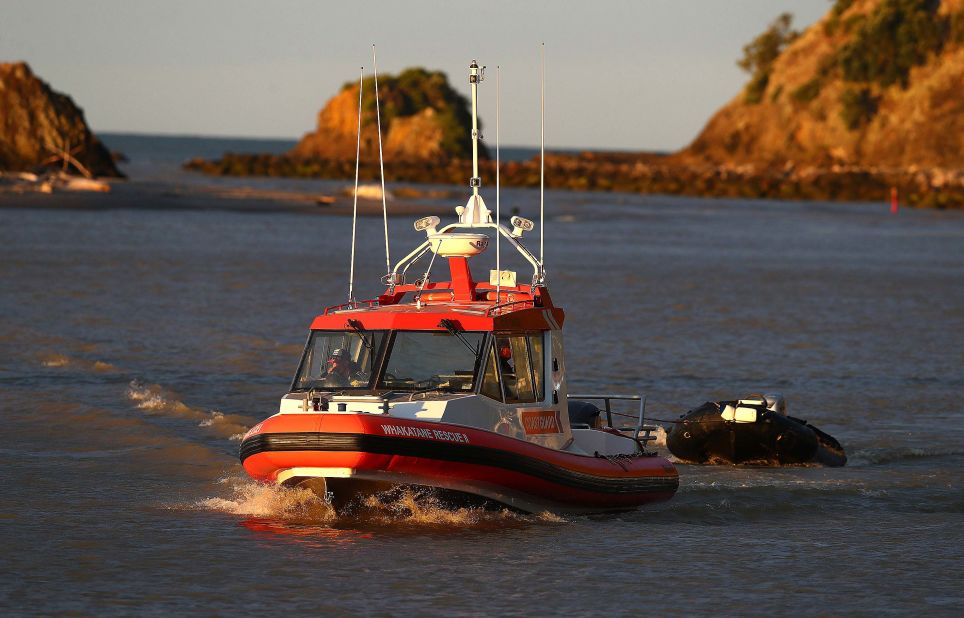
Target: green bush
pixel 759 54
pixel 756 87
pixel 413 90
pixel 858 107
pixel 956 29
pixel 839 8
pixel 897 36
pixel 807 92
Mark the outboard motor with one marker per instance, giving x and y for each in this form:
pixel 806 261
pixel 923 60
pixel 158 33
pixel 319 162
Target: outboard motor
pixel 776 403
pixel 583 414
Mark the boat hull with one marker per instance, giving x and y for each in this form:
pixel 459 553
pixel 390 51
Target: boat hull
pixel 385 451
pixel 704 437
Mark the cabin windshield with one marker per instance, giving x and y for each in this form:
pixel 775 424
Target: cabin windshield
pixel 442 361
pixel 339 360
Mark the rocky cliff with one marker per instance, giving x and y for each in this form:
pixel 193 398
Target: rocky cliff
pixel 423 118
pixel 39 127
pixel 874 83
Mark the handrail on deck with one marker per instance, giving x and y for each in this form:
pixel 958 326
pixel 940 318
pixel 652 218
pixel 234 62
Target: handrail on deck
pixel 371 302
pixel 491 310
pixel 608 399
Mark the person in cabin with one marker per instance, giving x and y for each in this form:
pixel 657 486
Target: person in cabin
pixel 505 357
pixel 506 366
pixel 343 371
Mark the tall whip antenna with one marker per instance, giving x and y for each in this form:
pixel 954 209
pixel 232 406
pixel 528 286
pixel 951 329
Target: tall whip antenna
pixel 381 164
pixel 542 157
pixel 354 211
pixel 498 233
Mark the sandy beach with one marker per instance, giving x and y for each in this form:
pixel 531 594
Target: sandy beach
pixel 136 195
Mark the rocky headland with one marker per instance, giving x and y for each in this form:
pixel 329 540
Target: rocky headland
pixel 868 99
pixel 423 119
pixel 41 128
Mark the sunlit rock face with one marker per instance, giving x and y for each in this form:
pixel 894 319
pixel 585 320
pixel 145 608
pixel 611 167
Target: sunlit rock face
pixel 422 118
pixel 874 83
pixel 38 125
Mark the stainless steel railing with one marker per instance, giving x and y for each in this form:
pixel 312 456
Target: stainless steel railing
pixel 640 428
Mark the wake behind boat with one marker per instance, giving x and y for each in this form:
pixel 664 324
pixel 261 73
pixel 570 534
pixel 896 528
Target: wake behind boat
pixel 458 385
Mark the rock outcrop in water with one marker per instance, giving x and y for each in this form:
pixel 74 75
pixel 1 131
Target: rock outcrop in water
pixel 39 127
pixel 874 83
pixel 423 118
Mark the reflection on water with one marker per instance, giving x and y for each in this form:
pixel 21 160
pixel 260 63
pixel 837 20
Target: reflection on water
pixel 61 360
pixel 309 534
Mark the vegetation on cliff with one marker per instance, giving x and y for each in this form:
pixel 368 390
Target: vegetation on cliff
pixel 415 90
pixel 42 128
pixel 423 118
pixel 759 54
pixel 886 44
pixel 875 83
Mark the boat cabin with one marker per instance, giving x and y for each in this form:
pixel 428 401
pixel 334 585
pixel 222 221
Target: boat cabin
pixel 450 353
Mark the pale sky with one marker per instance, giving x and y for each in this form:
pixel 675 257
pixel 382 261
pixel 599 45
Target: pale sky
pixel 642 75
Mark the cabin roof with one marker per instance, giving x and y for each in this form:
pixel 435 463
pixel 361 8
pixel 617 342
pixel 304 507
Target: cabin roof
pixel 473 316
pixel 472 305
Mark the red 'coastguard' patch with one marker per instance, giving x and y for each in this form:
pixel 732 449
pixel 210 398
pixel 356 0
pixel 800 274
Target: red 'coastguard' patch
pixel 540 421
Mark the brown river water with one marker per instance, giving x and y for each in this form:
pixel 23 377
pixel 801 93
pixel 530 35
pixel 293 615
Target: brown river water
pixel 137 344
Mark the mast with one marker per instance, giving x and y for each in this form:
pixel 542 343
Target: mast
pixel 475 76
pixel 474 212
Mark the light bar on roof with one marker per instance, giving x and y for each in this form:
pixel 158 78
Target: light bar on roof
pixel 427 225
pixel 520 225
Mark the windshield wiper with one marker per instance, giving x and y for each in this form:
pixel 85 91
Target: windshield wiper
pixel 356 326
pixel 454 329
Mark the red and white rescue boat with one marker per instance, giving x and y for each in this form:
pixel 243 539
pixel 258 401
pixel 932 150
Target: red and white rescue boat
pixel 458 385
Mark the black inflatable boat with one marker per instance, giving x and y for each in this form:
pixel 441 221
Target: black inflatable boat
pixel 752 431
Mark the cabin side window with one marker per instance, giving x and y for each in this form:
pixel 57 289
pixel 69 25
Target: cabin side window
pixel 538 356
pixel 520 359
pixel 521 376
pixel 491 385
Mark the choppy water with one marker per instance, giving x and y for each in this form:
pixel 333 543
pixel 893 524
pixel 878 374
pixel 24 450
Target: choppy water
pixel 135 345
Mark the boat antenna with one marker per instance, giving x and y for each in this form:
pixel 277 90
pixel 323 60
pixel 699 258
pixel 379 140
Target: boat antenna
pixel 475 76
pixel 354 211
pixel 542 155
pixel 474 212
pixel 381 165
pixel 498 122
